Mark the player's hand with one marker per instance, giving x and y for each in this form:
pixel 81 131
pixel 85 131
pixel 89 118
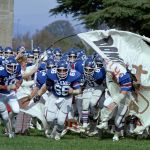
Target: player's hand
pixel 22 49
pixel 36 98
pixel 11 87
pixel 70 90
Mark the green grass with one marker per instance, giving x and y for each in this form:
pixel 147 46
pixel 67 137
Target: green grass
pixel 37 141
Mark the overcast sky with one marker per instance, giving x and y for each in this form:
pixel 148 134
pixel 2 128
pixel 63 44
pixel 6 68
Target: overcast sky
pixel 33 14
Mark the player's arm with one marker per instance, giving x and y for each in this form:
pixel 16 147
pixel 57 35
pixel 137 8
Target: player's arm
pixel 35 90
pixel 43 89
pixel 26 75
pixel 18 83
pixel 20 54
pixel 75 89
pixel 8 87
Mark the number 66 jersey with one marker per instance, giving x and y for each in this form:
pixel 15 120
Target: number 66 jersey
pixel 60 86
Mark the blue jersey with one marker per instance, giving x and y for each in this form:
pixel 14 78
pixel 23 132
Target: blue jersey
pixel 41 78
pixel 96 78
pixel 60 87
pixel 2 59
pixel 79 67
pixel 125 82
pixel 9 79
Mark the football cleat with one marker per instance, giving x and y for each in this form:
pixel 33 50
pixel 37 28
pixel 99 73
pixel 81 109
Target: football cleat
pixel 64 132
pixel 85 125
pixel 53 133
pixel 11 135
pixel 57 136
pixel 38 126
pixel 116 138
pixel 47 133
pixel 103 125
pixel 93 133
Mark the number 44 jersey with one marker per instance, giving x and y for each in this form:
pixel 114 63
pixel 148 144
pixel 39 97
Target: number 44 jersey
pixel 60 87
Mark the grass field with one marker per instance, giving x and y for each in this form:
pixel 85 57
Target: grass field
pixel 37 141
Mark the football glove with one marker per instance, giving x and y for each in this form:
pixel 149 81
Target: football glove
pixel 36 98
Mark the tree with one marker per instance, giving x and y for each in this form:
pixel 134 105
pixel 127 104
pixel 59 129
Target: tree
pixel 43 38
pixel 52 34
pixel 22 40
pixel 56 34
pixel 61 28
pixel 131 15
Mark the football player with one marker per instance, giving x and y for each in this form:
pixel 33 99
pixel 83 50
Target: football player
pixel 10 75
pixel 119 84
pixel 63 83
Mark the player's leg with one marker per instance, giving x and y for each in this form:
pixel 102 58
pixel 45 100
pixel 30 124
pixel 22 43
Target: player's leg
pixel 50 115
pixel 65 108
pixel 119 120
pixel 85 107
pixel 6 119
pixel 94 103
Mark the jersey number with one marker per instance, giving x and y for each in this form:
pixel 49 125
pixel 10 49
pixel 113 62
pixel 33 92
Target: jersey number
pixel 61 89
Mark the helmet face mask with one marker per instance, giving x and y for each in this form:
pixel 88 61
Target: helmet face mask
pixel 89 71
pixel 99 64
pixel 62 69
pixel 57 56
pixel 8 54
pixel 72 57
pixel 99 61
pixel 11 68
pixel 1 53
pixel 50 64
pixel 89 67
pixel 62 73
pixel 11 65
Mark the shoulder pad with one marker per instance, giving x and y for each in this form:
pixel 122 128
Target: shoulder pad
pixel 51 74
pixel 99 73
pixel 3 72
pixel 41 76
pixel 41 73
pixel 73 75
pixel 2 68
